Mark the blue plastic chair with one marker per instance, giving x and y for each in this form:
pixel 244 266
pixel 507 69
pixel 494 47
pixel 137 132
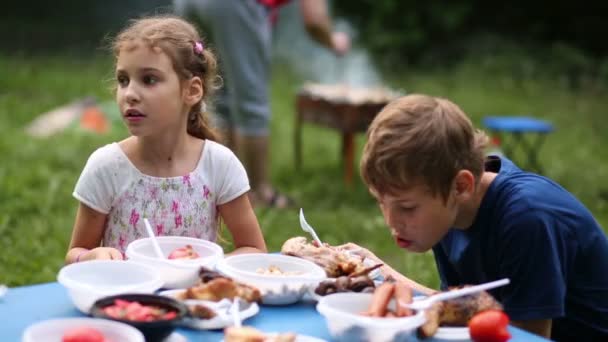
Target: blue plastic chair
pixel 520 132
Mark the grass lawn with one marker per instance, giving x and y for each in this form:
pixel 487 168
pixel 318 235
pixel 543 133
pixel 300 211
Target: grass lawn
pixel 37 176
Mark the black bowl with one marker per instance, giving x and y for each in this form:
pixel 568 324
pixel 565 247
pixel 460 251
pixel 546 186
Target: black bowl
pixel 154 331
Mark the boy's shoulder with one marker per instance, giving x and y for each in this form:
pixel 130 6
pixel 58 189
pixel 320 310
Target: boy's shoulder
pixel 517 195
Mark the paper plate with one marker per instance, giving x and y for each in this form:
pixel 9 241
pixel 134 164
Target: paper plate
pixel 222 319
pixel 299 338
pixel 452 334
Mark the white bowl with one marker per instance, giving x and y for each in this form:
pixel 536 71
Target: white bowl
pixel 53 330
pixel 175 273
pixel 342 315
pixel 275 289
pixel 88 281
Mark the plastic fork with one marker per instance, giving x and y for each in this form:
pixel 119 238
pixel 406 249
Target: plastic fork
pixel 428 301
pixel 234 312
pixel 157 250
pixel 307 228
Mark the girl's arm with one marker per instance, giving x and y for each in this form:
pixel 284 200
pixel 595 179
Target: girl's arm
pixel 243 225
pixel 86 237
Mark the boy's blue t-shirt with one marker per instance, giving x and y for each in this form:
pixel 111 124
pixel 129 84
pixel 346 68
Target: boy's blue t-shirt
pixel 534 232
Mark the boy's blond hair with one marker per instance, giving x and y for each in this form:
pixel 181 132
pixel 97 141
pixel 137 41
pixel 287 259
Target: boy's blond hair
pixel 419 139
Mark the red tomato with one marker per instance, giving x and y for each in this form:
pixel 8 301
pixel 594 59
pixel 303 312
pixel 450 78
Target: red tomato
pixel 489 326
pixel 83 334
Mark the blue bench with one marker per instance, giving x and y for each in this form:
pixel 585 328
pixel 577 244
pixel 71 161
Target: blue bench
pixel 520 132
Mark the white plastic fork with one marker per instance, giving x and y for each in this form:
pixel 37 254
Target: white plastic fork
pixel 428 301
pixel 234 312
pixel 307 228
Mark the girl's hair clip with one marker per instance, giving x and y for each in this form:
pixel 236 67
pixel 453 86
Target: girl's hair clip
pixel 198 48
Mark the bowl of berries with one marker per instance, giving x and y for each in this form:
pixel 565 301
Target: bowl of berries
pixel 154 315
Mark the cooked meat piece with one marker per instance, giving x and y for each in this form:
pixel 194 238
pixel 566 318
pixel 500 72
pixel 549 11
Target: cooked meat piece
pixel 207 275
pixel 358 284
pixel 201 311
pixel 429 328
pixel 249 293
pixel 458 311
pixel 250 334
pixel 334 261
pixel 220 288
pixel 326 287
pixel 243 334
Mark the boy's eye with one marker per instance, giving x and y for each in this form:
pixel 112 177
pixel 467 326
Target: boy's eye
pixel 123 81
pixel 150 80
pixel 403 208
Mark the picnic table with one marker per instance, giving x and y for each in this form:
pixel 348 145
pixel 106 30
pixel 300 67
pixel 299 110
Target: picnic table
pixel 23 306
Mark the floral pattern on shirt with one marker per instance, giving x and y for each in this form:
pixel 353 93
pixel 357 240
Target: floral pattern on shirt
pixel 180 206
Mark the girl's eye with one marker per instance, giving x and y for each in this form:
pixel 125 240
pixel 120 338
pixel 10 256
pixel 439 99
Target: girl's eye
pixel 407 209
pixel 150 80
pixel 123 81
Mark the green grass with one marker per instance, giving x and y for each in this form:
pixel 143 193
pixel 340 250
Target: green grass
pixel 37 176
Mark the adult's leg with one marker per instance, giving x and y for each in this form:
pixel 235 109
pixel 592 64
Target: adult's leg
pixel 205 14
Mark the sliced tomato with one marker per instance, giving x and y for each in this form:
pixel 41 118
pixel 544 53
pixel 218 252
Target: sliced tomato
pixel 489 326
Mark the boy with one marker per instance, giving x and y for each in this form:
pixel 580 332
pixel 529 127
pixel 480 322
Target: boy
pixel 485 219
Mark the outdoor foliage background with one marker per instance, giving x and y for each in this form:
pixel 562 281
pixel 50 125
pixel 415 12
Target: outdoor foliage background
pixel 521 59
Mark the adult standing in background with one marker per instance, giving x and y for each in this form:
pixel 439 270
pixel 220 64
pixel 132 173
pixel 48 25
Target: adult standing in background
pixel 241 34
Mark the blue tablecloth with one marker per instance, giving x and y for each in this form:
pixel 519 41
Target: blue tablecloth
pixel 23 306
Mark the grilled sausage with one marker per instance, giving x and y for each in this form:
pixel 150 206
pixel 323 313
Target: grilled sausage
pixel 380 299
pixel 403 295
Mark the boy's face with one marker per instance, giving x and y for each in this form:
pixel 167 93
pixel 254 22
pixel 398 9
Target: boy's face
pixel 417 218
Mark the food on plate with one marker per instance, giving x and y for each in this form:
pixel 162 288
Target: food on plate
pixel 433 318
pixel 215 287
pixel 201 311
pixel 83 334
pixel 384 293
pixel 334 261
pixel 135 311
pixel 275 270
pixel 456 312
pixel 489 326
pixel 250 334
pixel 186 252
pixel 362 283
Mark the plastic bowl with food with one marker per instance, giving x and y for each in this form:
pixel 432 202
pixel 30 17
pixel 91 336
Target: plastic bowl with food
pixel 88 329
pixel 176 273
pixel 88 281
pixel 342 313
pixel 280 278
pixel 154 315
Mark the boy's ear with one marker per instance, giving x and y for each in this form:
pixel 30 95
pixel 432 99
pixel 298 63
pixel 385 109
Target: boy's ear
pixel 193 91
pixel 464 184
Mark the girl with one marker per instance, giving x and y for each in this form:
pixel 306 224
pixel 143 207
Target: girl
pixel 169 170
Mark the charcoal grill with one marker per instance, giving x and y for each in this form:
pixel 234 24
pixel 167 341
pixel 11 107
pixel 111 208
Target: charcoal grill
pixel 346 117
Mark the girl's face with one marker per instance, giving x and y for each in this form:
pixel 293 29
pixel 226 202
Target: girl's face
pixel 148 91
pixel 417 218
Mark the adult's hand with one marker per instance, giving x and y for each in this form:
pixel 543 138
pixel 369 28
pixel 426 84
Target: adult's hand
pixel 340 43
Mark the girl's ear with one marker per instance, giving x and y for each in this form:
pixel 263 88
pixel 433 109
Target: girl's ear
pixel 464 185
pixel 193 91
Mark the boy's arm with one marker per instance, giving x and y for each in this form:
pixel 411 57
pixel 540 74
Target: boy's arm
pixel 540 327
pixel 388 271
